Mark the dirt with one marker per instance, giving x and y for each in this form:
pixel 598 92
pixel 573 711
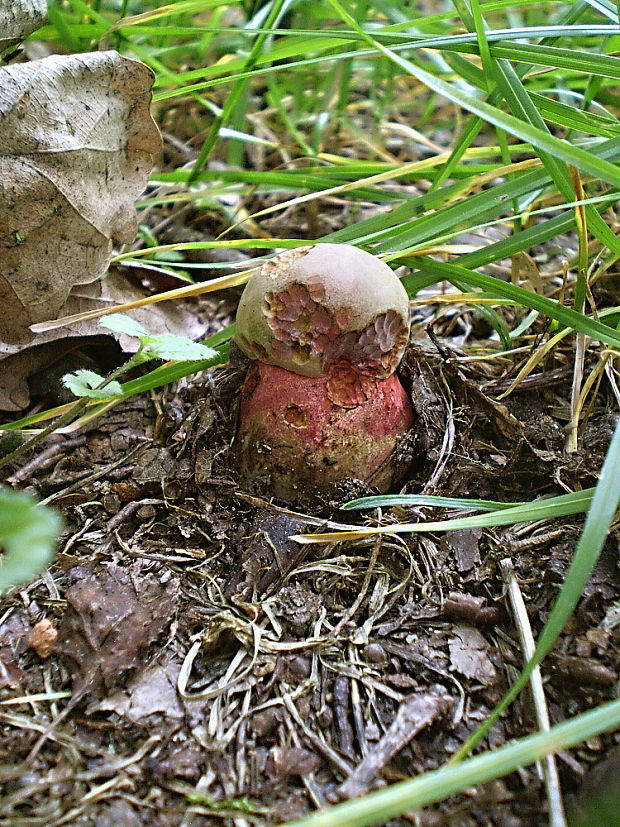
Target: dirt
pixel 197 667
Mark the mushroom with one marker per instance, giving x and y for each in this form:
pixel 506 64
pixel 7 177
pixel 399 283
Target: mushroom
pixel 326 327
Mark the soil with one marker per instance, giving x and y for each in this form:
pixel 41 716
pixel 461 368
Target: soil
pixel 197 667
pixel 200 668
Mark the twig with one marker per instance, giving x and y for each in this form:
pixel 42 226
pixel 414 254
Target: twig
pixel 319 743
pixel 575 407
pixel 44 459
pixel 83 481
pixel 341 695
pixel 557 817
pixel 416 712
pixel 350 613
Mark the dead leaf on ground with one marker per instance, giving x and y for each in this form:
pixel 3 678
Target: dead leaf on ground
pixel 153 690
pixel 18 362
pixel 464 544
pixel 469 655
pixel 111 619
pixel 19 18
pixel 76 147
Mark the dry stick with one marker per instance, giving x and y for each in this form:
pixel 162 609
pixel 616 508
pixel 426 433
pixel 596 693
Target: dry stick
pixel 63 420
pixel 415 713
pixel 341 764
pixel 362 594
pixel 557 817
pixel 572 442
pixel 44 459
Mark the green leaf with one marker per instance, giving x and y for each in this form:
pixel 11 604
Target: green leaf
pixel 120 323
pixel 177 348
pixel 84 383
pixel 28 534
pixel 390 500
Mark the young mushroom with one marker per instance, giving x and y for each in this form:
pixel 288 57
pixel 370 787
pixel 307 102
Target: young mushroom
pixel 326 327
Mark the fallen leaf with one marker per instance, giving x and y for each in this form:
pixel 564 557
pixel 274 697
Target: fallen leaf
pixel 469 655
pixel 111 619
pixel 19 18
pixel 464 544
pixel 151 691
pixel 76 147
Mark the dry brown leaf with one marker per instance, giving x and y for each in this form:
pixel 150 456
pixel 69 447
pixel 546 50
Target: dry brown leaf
pixel 19 362
pixel 76 147
pixel 110 621
pixel 469 655
pixel 19 18
pixel 151 691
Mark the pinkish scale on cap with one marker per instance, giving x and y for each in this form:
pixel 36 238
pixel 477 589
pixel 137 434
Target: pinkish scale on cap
pixel 300 326
pixel 313 306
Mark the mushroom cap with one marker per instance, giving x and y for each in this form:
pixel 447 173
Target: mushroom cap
pixel 315 307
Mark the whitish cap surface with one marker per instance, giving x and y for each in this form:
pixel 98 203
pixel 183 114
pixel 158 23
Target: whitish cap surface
pixel 310 309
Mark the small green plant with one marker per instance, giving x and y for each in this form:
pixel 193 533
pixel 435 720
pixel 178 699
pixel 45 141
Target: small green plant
pixel 91 385
pixel 28 534
pixel 92 388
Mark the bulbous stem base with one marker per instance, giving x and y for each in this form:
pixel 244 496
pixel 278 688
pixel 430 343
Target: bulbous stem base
pixel 294 439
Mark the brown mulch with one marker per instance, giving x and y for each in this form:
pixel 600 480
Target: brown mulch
pixel 211 671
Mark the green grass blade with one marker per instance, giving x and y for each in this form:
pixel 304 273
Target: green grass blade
pixel 565 315
pixel 235 94
pixel 547 509
pixel 557 147
pixel 389 500
pixel 522 106
pixel 432 787
pixel 602 511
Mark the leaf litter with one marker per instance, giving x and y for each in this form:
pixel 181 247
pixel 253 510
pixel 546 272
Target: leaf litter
pixel 72 164
pixel 18 19
pixel 77 148
pixel 111 618
pixel 287 700
pixel 251 680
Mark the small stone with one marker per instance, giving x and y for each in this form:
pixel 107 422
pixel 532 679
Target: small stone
pixel 111 502
pixel 374 653
pixel 43 638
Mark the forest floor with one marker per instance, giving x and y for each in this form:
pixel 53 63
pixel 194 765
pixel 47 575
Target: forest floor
pixel 200 668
